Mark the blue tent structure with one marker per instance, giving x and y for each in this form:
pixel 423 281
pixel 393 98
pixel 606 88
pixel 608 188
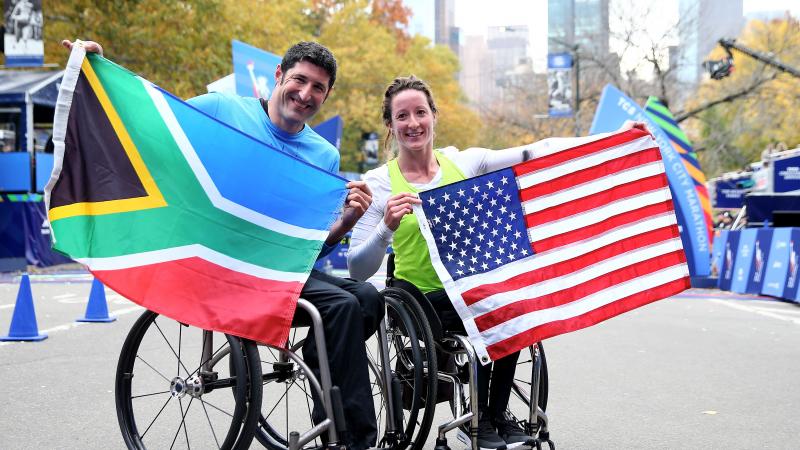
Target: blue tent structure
pixel 27 105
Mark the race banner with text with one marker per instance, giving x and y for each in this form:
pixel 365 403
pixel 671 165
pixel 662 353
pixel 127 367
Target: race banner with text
pixel 178 212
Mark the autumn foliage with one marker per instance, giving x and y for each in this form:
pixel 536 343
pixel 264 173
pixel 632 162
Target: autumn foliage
pixel 184 45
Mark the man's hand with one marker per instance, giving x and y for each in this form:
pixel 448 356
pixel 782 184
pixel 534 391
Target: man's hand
pixel 398 206
pixel 90 46
pixel 358 200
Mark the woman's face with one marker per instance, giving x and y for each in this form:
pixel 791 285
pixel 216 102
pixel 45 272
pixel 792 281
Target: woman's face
pixel 412 121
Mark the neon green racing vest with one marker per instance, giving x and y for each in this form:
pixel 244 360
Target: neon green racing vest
pixel 412 260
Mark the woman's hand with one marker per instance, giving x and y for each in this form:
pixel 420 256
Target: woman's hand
pixel 90 46
pixel 398 206
pixel 630 124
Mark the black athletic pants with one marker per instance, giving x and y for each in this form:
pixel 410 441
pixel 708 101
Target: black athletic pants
pixel 494 379
pixel 351 311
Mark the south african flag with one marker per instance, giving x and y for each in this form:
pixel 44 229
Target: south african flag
pixel 178 212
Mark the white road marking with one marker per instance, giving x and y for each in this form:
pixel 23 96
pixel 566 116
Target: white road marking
pixel 69 326
pixel 7 306
pixel 759 311
pixel 60 296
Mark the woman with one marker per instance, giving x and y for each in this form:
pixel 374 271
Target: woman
pixel 409 113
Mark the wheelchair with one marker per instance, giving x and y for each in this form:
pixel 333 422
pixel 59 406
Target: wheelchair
pixel 180 386
pixel 528 397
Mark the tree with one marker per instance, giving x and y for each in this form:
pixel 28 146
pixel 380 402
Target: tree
pixel 762 100
pixel 183 45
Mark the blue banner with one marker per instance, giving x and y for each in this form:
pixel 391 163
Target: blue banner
pixel 718 252
pixel 729 193
pixel 760 255
pixel 331 130
pixel 728 257
pixel 559 84
pixel 743 260
pixel 777 263
pixel 254 70
pixel 786 174
pixel 791 290
pixel 614 109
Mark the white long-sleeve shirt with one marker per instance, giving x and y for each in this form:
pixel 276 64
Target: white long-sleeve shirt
pixel 371 236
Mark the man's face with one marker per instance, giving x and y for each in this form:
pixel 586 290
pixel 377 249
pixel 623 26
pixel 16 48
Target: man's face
pixel 299 94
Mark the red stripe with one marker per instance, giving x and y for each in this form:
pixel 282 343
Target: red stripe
pixel 599 145
pixel 210 297
pixel 588 203
pixel 603 226
pixel 579 291
pixel 550 329
pixel 590 174
pixel 571 265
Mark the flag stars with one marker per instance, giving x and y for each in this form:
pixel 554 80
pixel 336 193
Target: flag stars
pixel 485 195
pixel 460 272
pixel 476 188
pixel 475 218
pixel 479 206
pixel 453 245
pixel 441 208
pixel 490 184
pixel 456 204
pixel 471 229
pixel 511 256
pixel 460 263
pixel 524 251
pixel 504 180
pixel 470 200
pixel 508 227
pixel 471 269
pixel 517 234
pixel 443 238
pixel 473 259
pixel 465 211
pixel 460 222
pixel 461 192
pixel 447 227
pixel 507 198
pixel 449 256
pixel 494 232
pixel 493 202
pixel 484 225
pixel 503 209
pixel 484 266
pixel 446 197
pixel 463 253
pixel 451 215
pixel 512 216
pixel 432 200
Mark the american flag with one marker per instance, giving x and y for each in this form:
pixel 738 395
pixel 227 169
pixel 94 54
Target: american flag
pixel 557 243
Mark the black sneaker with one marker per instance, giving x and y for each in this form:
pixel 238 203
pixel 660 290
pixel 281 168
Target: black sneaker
pixel 511 432
pixel 488 439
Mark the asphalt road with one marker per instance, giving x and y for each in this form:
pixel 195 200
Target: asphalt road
pixel 702 370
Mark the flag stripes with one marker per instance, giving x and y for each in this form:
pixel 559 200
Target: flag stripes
pixel 601 224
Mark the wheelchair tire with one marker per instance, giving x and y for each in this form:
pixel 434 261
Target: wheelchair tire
pixel 418 390
pixel 163 397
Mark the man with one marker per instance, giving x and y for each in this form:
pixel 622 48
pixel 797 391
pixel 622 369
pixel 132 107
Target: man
pixel 351 310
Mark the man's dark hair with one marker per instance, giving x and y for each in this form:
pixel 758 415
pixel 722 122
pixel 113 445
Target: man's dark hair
pixel 313 52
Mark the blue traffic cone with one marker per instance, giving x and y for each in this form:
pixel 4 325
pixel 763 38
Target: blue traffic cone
pixel 23 321
pixel 97 309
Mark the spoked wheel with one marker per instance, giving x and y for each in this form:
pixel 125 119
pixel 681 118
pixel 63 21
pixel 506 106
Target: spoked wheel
pixel 520 400
pixel 519 403
pixel 412 362
pixel 287 398
pixel 178 386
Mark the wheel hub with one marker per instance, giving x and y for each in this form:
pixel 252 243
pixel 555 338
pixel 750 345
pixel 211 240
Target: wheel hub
pixel 193 386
